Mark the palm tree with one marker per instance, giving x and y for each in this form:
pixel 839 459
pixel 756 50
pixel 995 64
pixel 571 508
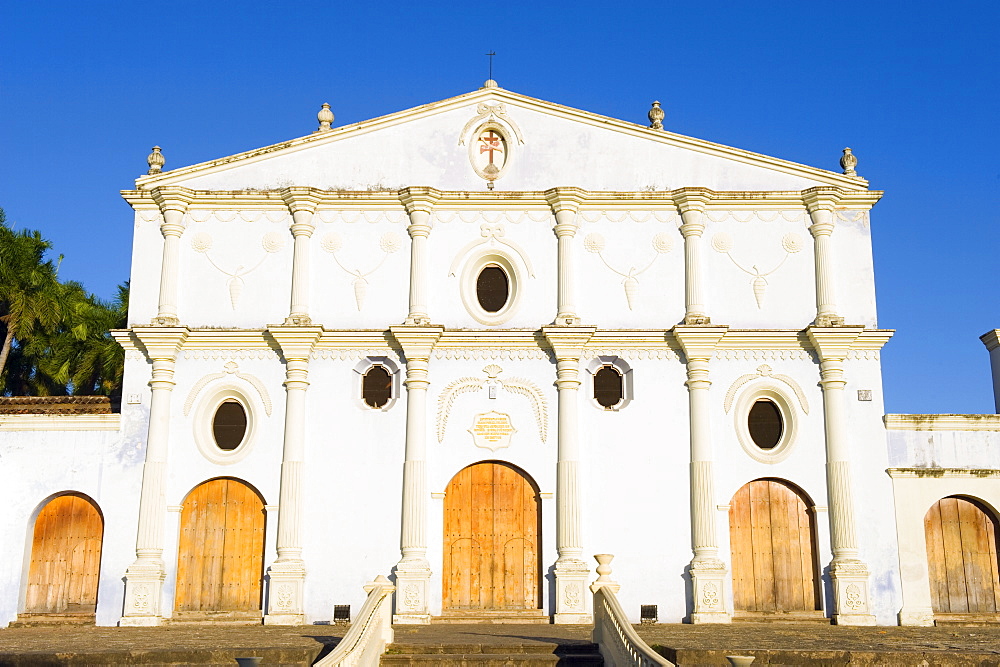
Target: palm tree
pixel 29 290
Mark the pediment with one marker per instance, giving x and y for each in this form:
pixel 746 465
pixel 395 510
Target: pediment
pixel 457 144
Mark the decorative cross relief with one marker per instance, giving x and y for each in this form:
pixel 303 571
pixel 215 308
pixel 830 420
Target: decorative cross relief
pixel 662 244
pixel 791 243
pixel 389 243
pixel 519 386
pixel 487 112
pixel 272 242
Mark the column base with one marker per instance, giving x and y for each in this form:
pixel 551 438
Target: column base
pixel 571 598
pixel 412 577
pixel 143 588
pixel 850 592
pixel 285 586
pixel 917 617
pixel 708 584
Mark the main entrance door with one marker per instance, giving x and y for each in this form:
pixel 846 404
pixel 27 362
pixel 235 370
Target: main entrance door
pixel 65 558
pixel 221 556
pixel 962 558
pixel 492 554
pixel 773 549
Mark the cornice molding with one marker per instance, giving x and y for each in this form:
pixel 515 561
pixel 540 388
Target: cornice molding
pixel 295 342
pixel 161 342
pixel 500 95
pixel 897 422
pixel 698 341
pixel 107 422
pixel 991 339
pixel 417 341
pixel 427 198
pixel 948 473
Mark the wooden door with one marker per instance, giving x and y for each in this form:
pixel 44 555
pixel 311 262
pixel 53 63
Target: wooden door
pixel 65 558
pixel 492 555
pixel 962 557
pixel 772 540
pixel 221 555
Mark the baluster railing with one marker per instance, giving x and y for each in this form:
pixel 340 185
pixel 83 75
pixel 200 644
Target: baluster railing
pixel 371 632
pixel 620 645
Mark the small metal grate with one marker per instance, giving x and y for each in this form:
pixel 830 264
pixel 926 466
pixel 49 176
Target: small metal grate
pixel 341 613
pixel 647 613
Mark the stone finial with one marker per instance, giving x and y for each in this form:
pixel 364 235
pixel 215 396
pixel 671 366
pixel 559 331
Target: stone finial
pixel 848 162
pixel 490 83
pixel 656 116
pixel 325 118
pixel 155 160
pixel 604 566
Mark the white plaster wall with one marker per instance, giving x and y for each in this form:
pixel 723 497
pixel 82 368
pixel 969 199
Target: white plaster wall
pixel 557 151
pixel 854 273
pixel 758 245
pixel 944 449
pixel 144 278
pixel 635 487
pixel 249 260
pixel 626 243
pixel 914 496
pixel 35 466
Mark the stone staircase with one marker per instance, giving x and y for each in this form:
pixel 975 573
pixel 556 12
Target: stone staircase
pixel 493 645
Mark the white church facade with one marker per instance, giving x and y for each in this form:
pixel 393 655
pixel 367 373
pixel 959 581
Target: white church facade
pixel 471 344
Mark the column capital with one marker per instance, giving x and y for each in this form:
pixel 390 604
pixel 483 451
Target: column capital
pixel 295 342
pixel 417 341
pixel 991 339
pixel 568 342
pixel 833 343
pixel 161 343
pixel 566 199
pixel 172 198
pixel 692 199
pixel 301 199
pixel 419 199
pixel 699 342
pixel 821 198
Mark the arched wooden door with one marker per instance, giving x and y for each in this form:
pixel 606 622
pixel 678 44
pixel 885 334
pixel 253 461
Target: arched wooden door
pixel 220 560
pixel 962 557
pixel 772 540
pixel 65 557
pixel 492 555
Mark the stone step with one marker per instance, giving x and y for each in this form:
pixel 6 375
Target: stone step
pixel 513 617
pixel 38 620
pixel 160 658
pixel 215 618
pixel 493 655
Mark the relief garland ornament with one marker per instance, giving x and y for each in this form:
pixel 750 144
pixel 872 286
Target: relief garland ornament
pixel 519 386
pixel 333 243
pixel 271 242
pixel 662 244
pixel 791 243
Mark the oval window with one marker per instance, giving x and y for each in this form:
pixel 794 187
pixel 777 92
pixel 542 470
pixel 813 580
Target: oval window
pixel 492 288
pixel 608 387
pixel 229 426
pixel 765 424
pixel 376 387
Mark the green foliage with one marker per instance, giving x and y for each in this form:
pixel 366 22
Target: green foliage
pixel 55 338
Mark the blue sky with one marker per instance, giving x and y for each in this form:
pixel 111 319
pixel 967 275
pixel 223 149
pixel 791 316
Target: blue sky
pixel 912 87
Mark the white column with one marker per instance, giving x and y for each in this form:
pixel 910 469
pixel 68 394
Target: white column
pixel 173 203
pixel 708 572
pixel 691 202
pixel 413 571
pixel 991 339
pixel 419 204
pixel 144 578
pixel 821 203
pixel 302 203
pixel 287 575
pixel 565 203
pixel 571 571
pixel 848 572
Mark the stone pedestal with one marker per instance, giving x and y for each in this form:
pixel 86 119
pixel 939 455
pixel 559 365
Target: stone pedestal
pixel 708 581
pixel 286 585
pixel 143 584
pixel 412 578
pixel 850 593
pixel 572 602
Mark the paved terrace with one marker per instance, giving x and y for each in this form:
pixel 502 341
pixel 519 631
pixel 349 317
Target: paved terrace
pixel 772 644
